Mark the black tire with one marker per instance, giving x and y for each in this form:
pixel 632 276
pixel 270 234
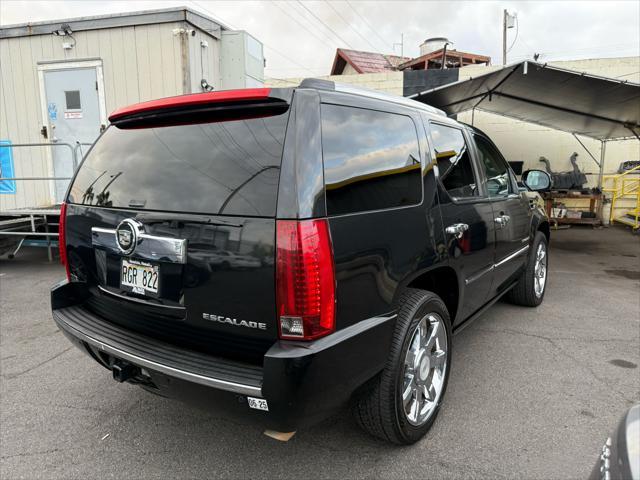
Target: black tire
pixel 378 407
pixel 523 293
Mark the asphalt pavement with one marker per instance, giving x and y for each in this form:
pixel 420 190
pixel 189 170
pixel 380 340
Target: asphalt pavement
pixel 533 393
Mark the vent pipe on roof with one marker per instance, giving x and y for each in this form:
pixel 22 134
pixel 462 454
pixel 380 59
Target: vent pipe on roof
pixel 433 44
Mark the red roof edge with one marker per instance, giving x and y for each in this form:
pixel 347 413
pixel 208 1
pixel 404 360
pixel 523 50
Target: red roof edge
pixel 345 57
pixel 191 100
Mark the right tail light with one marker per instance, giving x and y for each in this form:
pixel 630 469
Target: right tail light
pixel 305 279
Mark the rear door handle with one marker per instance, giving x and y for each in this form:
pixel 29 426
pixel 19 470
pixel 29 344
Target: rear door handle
pixel 502 220
pixel 457 229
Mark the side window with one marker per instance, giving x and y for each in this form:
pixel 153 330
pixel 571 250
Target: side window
pixel 454 163
pixel 496 168
pixel 371 160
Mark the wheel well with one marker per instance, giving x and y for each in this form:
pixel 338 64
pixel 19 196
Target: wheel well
pixel 544 228
pixel 443 282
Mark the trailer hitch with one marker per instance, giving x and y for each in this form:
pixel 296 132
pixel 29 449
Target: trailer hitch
pixel 123 371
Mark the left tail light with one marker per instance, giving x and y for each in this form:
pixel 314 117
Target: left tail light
pixel 62 239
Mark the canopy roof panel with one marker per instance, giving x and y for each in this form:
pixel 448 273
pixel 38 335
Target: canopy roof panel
pixel 597 107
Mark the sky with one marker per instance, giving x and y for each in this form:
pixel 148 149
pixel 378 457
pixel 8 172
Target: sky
pixel 301 37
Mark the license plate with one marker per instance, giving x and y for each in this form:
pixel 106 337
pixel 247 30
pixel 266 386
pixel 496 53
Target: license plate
pixel 139 277
pixel 258 403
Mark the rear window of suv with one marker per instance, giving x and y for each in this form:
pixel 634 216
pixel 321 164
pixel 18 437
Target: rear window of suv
pixel 371 160
pixel 229 167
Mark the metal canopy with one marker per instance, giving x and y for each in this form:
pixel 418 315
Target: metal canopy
pixel 597 107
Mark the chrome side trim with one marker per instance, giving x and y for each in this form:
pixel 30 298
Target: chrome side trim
pixel 143 362
pixel 138 300
pixel 479 274
pixel 511 256
pixel 149 247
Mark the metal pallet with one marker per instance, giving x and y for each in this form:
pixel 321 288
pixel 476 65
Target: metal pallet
pixel 27 224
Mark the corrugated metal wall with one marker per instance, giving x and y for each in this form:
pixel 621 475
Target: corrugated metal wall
pixel 139 63
pixel 204 62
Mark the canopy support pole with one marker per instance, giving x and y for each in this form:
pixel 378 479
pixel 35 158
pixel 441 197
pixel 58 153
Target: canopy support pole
pixel 603 149
pixel 586 149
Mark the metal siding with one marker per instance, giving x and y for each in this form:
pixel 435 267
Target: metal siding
pixel 139 63
pixel 204 63
pixel 155 60
pixel 129 61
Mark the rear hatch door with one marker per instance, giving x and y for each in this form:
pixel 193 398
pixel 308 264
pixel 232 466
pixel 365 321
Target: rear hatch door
pixel 171 223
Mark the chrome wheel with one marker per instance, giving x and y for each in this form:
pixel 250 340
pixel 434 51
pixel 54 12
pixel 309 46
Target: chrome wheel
pixel 425 367
pixel 540 270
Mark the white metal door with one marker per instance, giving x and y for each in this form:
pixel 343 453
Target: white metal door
pixel 73 114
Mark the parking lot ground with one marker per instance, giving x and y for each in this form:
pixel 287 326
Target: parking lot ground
pixel 533 392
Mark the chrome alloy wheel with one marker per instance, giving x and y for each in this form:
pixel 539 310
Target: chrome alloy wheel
pixel 425 367
pixel 540 270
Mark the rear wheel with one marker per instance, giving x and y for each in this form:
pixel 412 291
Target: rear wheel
pixel 401 403
pixel 529 291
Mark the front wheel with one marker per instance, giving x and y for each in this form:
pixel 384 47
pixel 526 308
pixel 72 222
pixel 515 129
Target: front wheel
pixel 529 291
pixel 402 402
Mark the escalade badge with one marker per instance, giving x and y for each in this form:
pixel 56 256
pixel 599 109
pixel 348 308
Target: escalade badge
pixel 127 235
pixel 234 322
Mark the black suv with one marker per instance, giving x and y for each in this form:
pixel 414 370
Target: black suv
pixel 281 253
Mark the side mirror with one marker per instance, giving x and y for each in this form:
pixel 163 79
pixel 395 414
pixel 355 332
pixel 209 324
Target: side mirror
pixel 536 180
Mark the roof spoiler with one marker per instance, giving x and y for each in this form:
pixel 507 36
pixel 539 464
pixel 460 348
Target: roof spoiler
pixel 195 102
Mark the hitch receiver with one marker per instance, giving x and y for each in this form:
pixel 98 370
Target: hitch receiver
pixel 123 371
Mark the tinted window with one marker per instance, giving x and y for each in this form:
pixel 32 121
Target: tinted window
pixel 454 163
pixel 496 169
pixel 229 167
pixel 371 160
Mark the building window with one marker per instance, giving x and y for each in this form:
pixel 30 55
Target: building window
pixel 73 99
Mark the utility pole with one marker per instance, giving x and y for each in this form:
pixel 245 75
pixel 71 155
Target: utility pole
pixel 401 45
pixel 508 21
pixel 504 36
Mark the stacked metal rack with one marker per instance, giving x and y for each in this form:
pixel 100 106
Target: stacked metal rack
pixel 36 226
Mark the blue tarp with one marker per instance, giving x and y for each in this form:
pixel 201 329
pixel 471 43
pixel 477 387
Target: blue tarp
pixel 6 168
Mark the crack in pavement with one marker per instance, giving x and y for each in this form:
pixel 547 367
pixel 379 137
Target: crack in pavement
pixel 30 454
pixel 567 355
pixel 30 369
pixel 571 339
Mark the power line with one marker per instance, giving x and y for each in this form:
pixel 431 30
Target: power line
pixel 306 28
pixel 350 26
pixel 215 17
pixel 267 46
pixel 364 20
pixel 325 25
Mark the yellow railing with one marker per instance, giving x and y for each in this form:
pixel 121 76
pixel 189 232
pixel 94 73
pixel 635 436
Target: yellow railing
pixel 624 186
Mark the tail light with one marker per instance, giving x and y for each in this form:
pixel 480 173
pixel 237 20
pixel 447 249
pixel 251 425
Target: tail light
pixel 305 279
pixel 62 239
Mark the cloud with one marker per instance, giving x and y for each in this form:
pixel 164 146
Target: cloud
pixel 298 44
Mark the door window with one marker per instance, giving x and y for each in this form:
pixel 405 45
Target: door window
pixel 498 181
pixel 454 163
pixel 72 98
pixel 371 160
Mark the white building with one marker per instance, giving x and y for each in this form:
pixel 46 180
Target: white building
pixel 59 81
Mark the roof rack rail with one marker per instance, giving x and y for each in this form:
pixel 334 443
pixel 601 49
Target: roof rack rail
pixel 321 84
pixel 318 83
